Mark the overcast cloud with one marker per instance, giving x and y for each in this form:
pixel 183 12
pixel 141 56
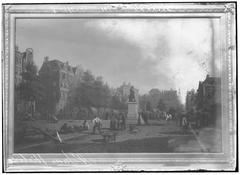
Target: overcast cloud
pixel 149 53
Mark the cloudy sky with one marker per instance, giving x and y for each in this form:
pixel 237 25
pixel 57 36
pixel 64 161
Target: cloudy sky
pixel 149 53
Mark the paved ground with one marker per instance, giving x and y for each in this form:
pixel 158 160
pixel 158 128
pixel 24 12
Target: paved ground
pixel 206 140
pixel 158 136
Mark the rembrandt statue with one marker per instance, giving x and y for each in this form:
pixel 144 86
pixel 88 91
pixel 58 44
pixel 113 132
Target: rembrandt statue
pixel 131 97
pixel 132 116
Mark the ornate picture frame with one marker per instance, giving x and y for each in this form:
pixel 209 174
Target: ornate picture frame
pixel 78 162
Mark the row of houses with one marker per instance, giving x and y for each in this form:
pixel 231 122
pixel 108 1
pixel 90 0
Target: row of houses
pixel 207 94
pixel 21 61
pixel 59 77
pixel 170 98
pixel 207 98
pixel 63 76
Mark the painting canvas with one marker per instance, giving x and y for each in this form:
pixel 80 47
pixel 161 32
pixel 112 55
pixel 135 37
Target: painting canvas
pixel 70 71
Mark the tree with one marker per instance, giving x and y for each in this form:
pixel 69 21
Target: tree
pixel 143 102
pixel 115 103
pixel 172 111
pixel 148 106
pixel 161 105
pixel 89 92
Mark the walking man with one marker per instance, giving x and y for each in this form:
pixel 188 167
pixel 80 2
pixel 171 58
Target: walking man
pixel 185 123
pixel 97 124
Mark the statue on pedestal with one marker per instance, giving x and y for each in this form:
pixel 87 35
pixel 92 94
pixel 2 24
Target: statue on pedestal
pixel 132 115
pixel 131 97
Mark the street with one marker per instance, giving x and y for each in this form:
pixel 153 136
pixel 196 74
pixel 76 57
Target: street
pixel 158 136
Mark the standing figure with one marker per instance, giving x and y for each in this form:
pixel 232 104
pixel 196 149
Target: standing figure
pixel 85 125
pixel 131 97
pixel 123 122
pixel 184 123
pixel 97 124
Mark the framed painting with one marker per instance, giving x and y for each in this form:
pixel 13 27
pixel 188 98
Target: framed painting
pixel 119 87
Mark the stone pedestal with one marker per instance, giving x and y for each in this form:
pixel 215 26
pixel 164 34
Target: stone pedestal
pixel 132 115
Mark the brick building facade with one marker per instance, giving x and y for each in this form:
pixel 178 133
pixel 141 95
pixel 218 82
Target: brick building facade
pixel 191 100
pixel 21 60
pixel 205 103
pixel 209 93
pixel 59 77
pixel 169 97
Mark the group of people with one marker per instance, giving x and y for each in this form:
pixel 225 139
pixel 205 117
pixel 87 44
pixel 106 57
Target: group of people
pixel 65 128
pixel 156 115
pixel 146 115
pixel 197 119
pixel 117 122
pixel 168 117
